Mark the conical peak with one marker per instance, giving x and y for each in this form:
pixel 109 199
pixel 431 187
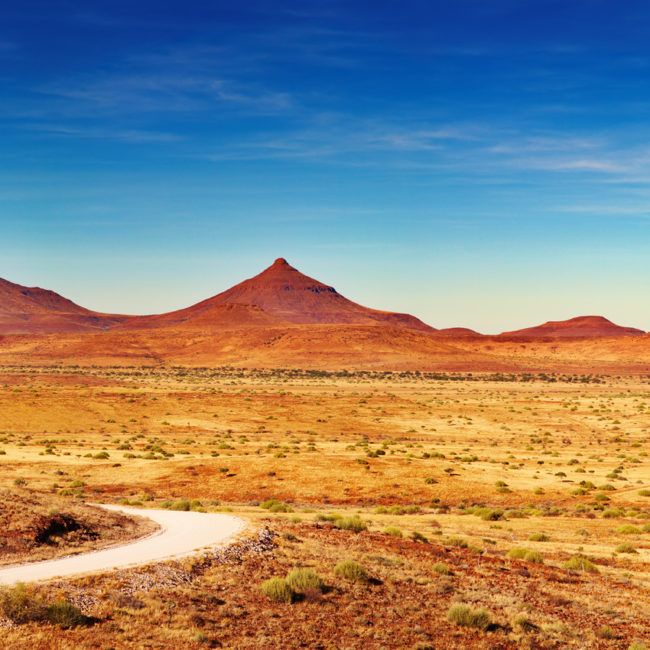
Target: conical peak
pixel 279 266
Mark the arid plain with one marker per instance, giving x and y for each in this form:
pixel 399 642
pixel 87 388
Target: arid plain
pixel 440 490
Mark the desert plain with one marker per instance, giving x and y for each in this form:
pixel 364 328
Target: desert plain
pixel 422 510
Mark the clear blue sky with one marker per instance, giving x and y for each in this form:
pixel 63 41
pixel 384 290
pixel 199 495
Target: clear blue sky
pixel 483 163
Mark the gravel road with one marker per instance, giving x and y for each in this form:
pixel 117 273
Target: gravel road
pixel 181 534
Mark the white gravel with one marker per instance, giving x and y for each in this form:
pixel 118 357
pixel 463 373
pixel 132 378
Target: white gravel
pixel 181 534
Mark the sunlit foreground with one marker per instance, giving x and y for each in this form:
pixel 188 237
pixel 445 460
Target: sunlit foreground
pixel 384 509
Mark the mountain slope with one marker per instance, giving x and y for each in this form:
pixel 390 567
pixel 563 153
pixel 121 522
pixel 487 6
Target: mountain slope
pixel 32 310
pixel 579 327
pixel 278 295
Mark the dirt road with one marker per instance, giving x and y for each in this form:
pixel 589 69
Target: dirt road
pixel 181 534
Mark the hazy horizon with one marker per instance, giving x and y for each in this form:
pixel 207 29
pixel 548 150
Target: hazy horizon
pixel 201 298
pixel 473 164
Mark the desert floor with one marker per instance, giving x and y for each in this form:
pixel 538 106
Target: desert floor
pixel 525 496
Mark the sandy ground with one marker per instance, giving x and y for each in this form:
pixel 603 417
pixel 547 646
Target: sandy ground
pixel 181 534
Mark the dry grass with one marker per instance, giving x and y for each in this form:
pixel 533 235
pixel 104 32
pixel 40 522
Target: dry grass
pixel 428 484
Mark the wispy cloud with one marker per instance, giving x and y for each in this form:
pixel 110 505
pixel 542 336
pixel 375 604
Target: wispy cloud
pixel 97 133
pixel 620 209
pixel 165 93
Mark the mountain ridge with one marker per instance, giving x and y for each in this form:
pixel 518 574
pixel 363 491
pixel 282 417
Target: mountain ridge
pixel 278 296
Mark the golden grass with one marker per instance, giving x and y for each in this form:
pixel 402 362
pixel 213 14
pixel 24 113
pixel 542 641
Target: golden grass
pixel 466 469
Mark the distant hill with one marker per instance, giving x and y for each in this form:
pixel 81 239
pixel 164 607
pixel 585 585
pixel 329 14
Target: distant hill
pixel 32 310
pixel 579 327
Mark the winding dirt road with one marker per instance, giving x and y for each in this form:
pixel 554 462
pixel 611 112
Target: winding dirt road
pixel 181 534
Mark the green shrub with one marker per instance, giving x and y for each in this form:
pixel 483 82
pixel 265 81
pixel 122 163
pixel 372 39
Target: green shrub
pixel 64 614
pixel 351 570
pixel 354 523
pixel 580 563
pixel 458 542
pixel 539 537
pixel 277 590
pixel 526 554
pixel 21 605
pixel 302 580
pixel 182 505
pixel 535 557
pixel 273 505
pixel 491 515
pixel 465 616
pixel 628 529
pixel 626 548
pixel 393 531
pixel 613 513
pixel 605 632
pixel 441 568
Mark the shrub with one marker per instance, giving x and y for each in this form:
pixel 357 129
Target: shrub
pixel 535 557
pixel 524 623
pixel 393 531
pixel 605 632
pixel 465 616
pixel 526 554
pixel 492 515
pixel 354 523
pixel 613 513
pixel 458 542
pixel 64 614
pixel 625 548
pixel 628 529
pixel 302 580
pixel 644 493
pixel 21 605
pixel 277 590
pixel 182 505
pixel 539 537
pixel 580 563
pixel 441 568
pixel 273 505
pixel 351 570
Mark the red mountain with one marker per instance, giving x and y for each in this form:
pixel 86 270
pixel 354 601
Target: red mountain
pixel 579 327
pixel 32 310
pixel 279 295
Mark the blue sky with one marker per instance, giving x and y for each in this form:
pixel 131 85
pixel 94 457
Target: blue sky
pixel 478 163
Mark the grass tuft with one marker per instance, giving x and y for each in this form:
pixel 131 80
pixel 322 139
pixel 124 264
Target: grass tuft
pixel 351 570
pixel 277 590
pixel 466 616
